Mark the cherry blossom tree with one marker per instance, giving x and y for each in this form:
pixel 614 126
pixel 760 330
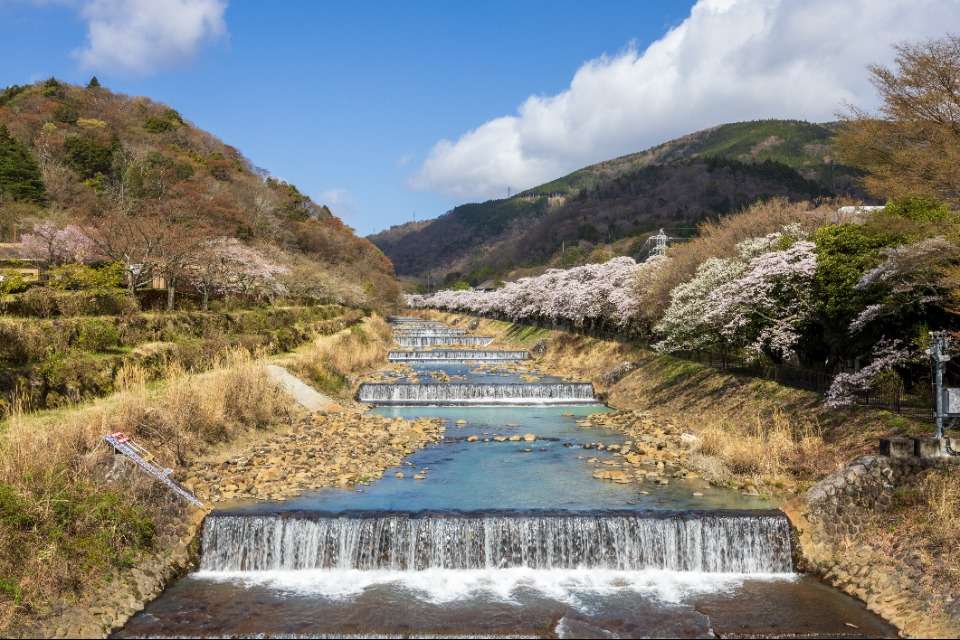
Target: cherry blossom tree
pixel 887 356
pixel 227 266
pixel 909 279
pixel 58 244
pixel 759 301
pixel 593 296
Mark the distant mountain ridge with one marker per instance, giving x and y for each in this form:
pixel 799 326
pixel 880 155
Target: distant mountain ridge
pixel 674 184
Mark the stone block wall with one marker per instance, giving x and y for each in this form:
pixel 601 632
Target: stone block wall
pixel 832 520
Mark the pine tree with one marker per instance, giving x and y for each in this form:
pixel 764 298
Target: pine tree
pixel 94 83
pixel 19 174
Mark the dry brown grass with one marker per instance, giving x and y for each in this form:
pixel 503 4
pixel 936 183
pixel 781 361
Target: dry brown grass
pixel 69 516
pixel 330 362
pixel 923 525
pixel 719 239
pixel 772 450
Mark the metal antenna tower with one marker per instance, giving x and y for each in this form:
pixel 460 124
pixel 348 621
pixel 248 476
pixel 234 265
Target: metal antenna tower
pixel 659 242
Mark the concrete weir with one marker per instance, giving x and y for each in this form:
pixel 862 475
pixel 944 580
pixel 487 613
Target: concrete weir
pixel 455 355
pixel 477 393
pixel 428 333
pixel 705 542
pixel 436 341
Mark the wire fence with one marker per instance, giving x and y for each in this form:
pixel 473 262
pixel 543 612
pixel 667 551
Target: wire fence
pixel 894 397
pixel 791 376
pixel 897 399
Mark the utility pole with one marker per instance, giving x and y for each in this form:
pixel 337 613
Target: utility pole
pixel 938 354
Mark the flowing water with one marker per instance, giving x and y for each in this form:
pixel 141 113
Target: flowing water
pixel 502 538
pixel 455 355
pixel 516 393
pixel 437 341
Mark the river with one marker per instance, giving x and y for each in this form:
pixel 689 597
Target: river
pixel 500 530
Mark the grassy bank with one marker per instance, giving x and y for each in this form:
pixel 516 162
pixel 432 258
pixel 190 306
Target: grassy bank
pixel 57 362
pixel 776 438
pixel 74 518
pixel 332 364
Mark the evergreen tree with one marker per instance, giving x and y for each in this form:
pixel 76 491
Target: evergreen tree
pixel 19 173
pixel 94 83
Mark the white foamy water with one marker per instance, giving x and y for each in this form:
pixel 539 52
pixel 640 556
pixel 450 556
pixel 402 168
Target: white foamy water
pixel 477 393
pixel 439 586
pixel 719 544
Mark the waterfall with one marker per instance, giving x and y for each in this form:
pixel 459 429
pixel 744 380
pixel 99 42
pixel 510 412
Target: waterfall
pixel 712 542
pixel 428 333
pixel 431 341
pixel 454 354
pixel 476 393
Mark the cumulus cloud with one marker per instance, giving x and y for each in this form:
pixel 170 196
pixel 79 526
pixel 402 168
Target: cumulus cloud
pixel 141 36
pixel 728 60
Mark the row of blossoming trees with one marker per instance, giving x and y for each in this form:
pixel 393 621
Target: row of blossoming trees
pixel 861 294
pixel 81 256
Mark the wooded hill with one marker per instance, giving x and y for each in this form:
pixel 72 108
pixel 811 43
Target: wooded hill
pixel 115 164
pixel 674 185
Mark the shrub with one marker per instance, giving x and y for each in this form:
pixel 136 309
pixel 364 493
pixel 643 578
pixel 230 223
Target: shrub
pixel 81 277
pixel 97 336
pixel 98 303
pixel 91 123
pixel 919 209
pixel 44 302
pixel 157 125
pixel 38 301
pixel 12 282
pixel 88 156
pixel 66 114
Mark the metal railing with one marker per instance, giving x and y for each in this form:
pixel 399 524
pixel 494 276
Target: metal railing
pixel 143 459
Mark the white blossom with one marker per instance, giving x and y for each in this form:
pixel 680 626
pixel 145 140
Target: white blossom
pixel 887 354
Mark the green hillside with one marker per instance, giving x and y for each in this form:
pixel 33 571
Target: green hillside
pixel 676 184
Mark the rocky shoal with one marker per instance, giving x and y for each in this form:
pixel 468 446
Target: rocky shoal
pixel 340 450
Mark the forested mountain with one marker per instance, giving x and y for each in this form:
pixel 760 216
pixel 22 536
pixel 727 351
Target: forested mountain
pixel 674 185
pixel 145 184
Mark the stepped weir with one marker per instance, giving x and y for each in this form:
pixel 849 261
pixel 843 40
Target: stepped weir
pixel 415 342
pixel 455 354
pixel 477 393
pixel 712 542
pixel 427 333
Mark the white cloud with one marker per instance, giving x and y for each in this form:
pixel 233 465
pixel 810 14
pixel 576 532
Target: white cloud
pixel 340 201
pixel 729 60
pixel 141 36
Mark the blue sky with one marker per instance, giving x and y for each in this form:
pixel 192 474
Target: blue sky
pixel 385 109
